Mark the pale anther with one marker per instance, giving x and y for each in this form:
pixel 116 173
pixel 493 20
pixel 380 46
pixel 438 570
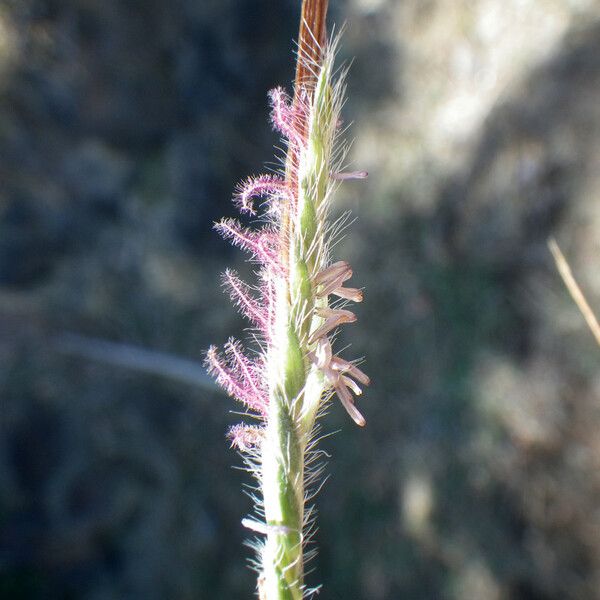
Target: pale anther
pixel 349 175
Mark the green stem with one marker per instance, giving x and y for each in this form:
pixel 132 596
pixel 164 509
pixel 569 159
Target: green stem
pixel 295 387
pixel 283 489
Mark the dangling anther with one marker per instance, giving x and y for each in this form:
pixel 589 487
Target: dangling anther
pixel 333 318
pixel 331 280
pixel 349 175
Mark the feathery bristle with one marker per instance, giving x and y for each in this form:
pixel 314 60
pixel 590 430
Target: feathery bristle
pixel 271 187
pixel 249 306
pixel 237 382
pixel 262 243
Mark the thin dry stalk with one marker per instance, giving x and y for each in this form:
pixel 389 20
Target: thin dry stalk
pixel 567 276
pixel 311 40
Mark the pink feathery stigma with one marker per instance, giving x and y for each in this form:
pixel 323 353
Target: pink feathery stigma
pixel 262 244
pixel 283 117
pixel 303 104
pixel 224 375
pixel 232 383
pixel 256 187
pixel 268 296
pixel 268 243
pixel 240 294
pixel 245 437
pixel 249 373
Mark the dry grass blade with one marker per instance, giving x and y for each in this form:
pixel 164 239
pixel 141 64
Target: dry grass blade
pixel 565 272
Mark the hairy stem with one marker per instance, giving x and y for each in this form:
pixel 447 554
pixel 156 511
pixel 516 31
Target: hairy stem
pixel 283 489
pixel 288 429
pixel 296 371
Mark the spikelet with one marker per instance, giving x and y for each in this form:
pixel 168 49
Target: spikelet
pixel 286 385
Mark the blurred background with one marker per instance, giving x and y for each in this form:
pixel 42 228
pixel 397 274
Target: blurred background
pixel 124 126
